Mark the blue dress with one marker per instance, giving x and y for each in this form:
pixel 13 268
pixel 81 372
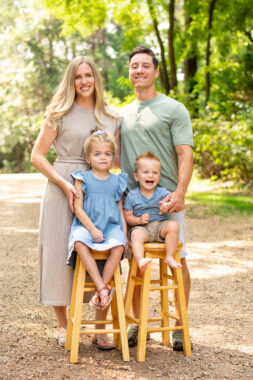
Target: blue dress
pixel 100 204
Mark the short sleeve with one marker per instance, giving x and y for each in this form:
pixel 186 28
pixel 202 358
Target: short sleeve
pixel 81 176
pixel 122 184
pixel 163 192
pixel 181 126
pixel 127 203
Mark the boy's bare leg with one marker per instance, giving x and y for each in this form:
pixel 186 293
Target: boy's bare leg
pixel 170 232
pixel 138 238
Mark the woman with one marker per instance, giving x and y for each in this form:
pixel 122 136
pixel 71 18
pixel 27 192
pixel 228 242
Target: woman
pixel 77 106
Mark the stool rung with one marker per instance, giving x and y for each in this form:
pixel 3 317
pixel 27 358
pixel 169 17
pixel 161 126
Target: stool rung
pixel 163 287
pixel 100 331
pixel 172 316
pixel 89 289
pixel 131 319
pixel 161 329
pixel 155 319
pixel 135 278
pixel 90 322
pixel 89 284
pixel 169 276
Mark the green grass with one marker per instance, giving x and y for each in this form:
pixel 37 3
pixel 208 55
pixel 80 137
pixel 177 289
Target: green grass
pixel 221 204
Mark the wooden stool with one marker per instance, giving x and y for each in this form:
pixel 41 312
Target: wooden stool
pixel 157 251
pixel 75 321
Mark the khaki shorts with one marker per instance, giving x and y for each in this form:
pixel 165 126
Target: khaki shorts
pixel 178 217
pixel 152 230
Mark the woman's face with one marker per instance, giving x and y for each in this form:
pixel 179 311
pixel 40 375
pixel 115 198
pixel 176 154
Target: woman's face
pixel 84 82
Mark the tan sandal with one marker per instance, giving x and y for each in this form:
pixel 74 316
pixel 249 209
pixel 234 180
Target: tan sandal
pixel 106 299
pixel 95 301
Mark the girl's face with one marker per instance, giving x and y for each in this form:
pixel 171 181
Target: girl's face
pixel 101 157
pixel 84 82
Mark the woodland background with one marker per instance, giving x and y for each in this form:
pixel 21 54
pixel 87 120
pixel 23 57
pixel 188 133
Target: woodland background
pixel 205 49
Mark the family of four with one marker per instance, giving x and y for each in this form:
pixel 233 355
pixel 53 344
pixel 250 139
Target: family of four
pixel 87 207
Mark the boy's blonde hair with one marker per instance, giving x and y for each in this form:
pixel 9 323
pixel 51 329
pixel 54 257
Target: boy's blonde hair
pixel 64 95
pixel 149 155
pixel 98 135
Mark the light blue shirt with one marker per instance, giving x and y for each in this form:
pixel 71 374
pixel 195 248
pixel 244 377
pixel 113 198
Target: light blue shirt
pixel 140 205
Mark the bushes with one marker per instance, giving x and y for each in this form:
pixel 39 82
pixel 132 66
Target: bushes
pixel 224 149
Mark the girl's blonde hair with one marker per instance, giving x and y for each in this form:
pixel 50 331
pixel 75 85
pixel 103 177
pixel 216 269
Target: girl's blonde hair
pixel 64 94
pixel 97 135
pixel 148 155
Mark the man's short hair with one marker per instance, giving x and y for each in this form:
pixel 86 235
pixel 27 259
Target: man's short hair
pixel 144 50
pixel 149 155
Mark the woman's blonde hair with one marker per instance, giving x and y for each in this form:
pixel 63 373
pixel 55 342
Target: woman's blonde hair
pixel 64 94
pixel 97 135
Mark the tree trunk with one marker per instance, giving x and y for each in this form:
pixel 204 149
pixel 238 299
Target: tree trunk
pixel 208 49
pixel 173 68
pixel 163 68
pixel 191 60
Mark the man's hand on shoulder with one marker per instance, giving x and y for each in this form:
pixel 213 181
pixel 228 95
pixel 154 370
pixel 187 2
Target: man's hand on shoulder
pixel 173 202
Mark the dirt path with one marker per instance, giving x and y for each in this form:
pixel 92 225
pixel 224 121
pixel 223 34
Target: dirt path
pixel 220 311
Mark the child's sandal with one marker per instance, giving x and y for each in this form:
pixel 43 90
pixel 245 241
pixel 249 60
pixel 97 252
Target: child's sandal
pixel 106 299
pixel 95 301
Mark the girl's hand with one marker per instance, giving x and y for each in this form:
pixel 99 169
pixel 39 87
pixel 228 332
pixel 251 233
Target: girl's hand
pixel 70 193
pixel 97 235
pixel 144 219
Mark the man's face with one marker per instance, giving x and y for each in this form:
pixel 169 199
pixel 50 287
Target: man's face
pixel 142 72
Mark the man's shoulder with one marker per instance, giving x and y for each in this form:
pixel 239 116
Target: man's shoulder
pixel 173 103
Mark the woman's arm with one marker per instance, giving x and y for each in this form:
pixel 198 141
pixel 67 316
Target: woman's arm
pixel 81 215
pixel 133 220
pixel 38 158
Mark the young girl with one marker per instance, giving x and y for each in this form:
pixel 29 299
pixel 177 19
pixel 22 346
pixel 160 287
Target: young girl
pixel 99 222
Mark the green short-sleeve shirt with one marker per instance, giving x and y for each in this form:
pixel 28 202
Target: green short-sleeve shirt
pixel 155 125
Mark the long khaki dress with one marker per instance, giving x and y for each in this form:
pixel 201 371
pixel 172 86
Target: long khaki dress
pixel 55 277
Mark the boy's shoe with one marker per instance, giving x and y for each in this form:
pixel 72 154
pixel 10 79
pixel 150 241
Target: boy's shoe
pixel 132 336
pixel 177 341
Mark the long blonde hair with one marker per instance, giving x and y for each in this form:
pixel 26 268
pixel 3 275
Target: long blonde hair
pixel 64 94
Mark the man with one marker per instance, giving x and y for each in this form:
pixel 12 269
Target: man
pixel 157 123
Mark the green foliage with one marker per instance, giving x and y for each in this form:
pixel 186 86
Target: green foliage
pixel 224 205
pixel 223 149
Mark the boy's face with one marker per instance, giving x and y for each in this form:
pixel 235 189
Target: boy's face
pixel 148 173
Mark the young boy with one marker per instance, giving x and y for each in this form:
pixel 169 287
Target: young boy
pixel 142 211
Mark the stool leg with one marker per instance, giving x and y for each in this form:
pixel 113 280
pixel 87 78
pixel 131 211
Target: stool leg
pixel 182 307
pixel 77 314
pixel 130 287
pixel 143 320
pixel 164 302
pixel 115 317
pixel 72 305
pixel 121 315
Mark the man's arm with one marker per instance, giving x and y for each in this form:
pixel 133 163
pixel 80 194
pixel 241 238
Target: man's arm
pixel 185 167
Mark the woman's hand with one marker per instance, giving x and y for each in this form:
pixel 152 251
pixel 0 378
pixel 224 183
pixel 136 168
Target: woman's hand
pixel 70 193
pixel 97 235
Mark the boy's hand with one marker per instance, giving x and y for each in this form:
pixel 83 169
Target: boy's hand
pixel 144 219
pixel 164 207
pixel 97 235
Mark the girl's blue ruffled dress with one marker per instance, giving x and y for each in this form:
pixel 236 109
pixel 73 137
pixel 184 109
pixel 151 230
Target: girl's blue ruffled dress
pixel 100 204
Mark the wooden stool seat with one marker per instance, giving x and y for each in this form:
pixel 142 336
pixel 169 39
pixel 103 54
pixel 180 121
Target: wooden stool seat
pixel 157 251
pixel 75 321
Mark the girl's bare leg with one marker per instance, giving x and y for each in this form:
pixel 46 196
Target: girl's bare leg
pixel 90 264
pixel 112 263
pixel 138 238
pixel 170 232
